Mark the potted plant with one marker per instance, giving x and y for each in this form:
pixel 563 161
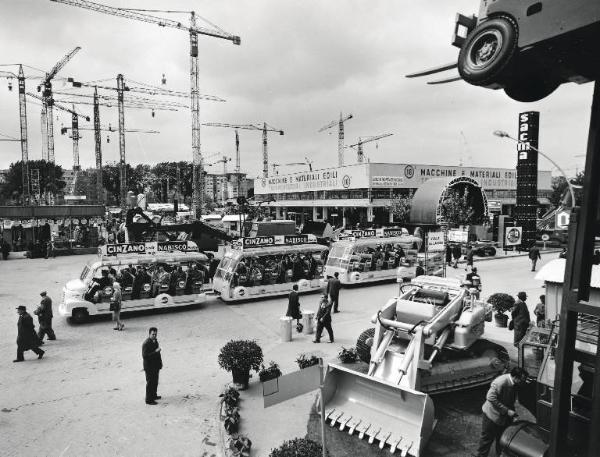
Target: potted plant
pixel 239 445
pixel 231 421
pixel 348 355
pixel 501 303
pixel 230 397
pixel 239 357
pixel 298 447
pixel 305 361
pixel 270 372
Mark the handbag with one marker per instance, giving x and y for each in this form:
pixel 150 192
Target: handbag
pixel 112 306
pixel 511 325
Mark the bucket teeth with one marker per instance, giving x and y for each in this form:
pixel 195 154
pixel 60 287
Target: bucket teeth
pixel 394 445
pixel 335 417
pixel 405 448
pixel 329 413
pixel 352 427
pixel 344 422
pixel 383 441
pixel 373 436
pixel 361 434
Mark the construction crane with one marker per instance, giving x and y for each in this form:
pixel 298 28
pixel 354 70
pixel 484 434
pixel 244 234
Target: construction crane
pixel 277 165
pixel 340 125
pixel 47 105
pixel 23 125
pixel 224 161
pixel 363 140
pixel 194 31
pixel 265 128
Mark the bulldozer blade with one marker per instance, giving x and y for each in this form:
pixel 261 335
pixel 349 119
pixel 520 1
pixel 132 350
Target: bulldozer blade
pixel 388 414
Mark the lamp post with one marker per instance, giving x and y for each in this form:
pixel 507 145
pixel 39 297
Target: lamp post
pixel 503 134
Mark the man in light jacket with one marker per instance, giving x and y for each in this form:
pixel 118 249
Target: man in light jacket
pixel 499 409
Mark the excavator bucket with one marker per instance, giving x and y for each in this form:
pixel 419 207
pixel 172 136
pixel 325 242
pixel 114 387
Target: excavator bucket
pixel 383 413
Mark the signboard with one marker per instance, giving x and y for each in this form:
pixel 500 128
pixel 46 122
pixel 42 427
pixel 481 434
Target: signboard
pixel 291 385
pixel 527 175
pixel 351 177
pixel 513 236
pixel 435 242
pixel 274 240
pixel 458 236
pixel 182 246
pixel 151 247
pixel 562 219
pixel 125 248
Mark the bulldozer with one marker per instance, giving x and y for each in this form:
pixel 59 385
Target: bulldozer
pixel 425 341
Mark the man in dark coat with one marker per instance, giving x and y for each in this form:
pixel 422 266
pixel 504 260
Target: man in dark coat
pixel 448 255
pixel 4 248
pixel 334 291
pixel 152 365
pixel 456 253
pixel 293 309
pixel 520 318
pixel 44 314
pixel 324 319
pixel 26 336
pixel 534 255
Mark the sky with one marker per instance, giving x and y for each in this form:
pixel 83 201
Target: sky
pixel 300 64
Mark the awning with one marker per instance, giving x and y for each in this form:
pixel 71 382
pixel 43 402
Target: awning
pixel 50 212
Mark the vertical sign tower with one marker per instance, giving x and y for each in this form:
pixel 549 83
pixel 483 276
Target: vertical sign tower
pixel 527 171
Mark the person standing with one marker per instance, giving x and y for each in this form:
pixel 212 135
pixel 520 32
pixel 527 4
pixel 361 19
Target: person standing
pixel 419 270
pixel 456 253
pixel 324 319
pixel 540 312
pixel 115 306
pixel 469 257
pixel 27 339
pixel 520 318
pixel 534 256
pixel 152 365
pixel 498 411
pixel 44 314
pixel 334 286
pixel 448 255
pixel 293 309
pixel 5 248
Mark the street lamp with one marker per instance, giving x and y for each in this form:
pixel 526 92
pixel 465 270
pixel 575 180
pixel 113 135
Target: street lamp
pixel 502 134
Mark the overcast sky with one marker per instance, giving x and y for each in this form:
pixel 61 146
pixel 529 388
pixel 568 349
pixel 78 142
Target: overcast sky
pixel 300 63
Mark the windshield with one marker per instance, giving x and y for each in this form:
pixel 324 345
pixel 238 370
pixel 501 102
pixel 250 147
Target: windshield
pixel 226 266
pixel 339 255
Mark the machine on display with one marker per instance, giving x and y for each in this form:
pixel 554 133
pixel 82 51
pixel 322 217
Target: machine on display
pixel 362 256
pixel 152 275
pixel 267 266
pixel 426 341
pixel 526 48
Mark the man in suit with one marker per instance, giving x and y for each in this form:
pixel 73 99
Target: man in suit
pixel 152 365
pixel 499 409
pixel 44 314
pixel 520 318
pixel 293 309
pixel 26 336
pixel 534 255
pixel 324 319
pixel 334 286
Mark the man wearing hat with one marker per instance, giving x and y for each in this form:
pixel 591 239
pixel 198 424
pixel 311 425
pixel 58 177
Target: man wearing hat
pixel 324 319
pixel 520 318
pixel 44 314
pixel 26 336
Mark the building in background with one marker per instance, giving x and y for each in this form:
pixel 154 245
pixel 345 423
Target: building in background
pixel 222 188
pixel 363 193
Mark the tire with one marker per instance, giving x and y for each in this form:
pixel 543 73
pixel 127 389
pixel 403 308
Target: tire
pixel 492 252
pixel 486 57
pixel 362 348
pixel 79 315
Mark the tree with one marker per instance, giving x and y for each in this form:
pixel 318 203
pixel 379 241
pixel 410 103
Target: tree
pixel 14 178
pixel 458 207
pixel 111 180
pixel 559 185
pixel 400 208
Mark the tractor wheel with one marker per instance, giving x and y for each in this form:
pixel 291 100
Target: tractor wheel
pixel 79 315
pixel 487 54
pixel 363 347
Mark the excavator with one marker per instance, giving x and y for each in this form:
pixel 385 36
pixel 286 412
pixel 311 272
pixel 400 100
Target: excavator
pixel 425 341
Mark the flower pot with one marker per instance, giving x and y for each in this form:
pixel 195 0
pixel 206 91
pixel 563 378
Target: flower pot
pixel 241 377
pixel 501 320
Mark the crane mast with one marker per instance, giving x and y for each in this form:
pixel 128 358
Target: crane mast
pixel 340 125
pixel 98 148
pixel 23 125
pixel 122 164
pixel 361 141
pixel 237 162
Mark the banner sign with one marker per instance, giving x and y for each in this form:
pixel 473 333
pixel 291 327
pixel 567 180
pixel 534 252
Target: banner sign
pixel 513 236
pixel 274 240
pixel 182 246
pixel 151 247
pixel 458 236
pixel 125 248
pixel 435 242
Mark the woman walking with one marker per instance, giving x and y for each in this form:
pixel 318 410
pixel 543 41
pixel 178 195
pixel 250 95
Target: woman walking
pixel 115 306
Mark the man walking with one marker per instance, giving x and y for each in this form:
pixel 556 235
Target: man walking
pixel 293 309
pixel 520 318
pixel 152 365
pixel 334 291
pixel 534 255
pixel 499 409
pixel 26 336
pixel 324 319
pixel 44 314
pixel 456 253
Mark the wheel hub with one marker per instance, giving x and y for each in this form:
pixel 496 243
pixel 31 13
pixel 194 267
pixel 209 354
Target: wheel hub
pixel 486 48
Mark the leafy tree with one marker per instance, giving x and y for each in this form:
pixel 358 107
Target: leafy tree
pixel 400 207
pixel 111 180
pixel 458 207
pixel 560 193
pixel 14 181
pixel 164 170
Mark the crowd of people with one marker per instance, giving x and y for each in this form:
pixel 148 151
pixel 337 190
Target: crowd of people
pixel 382 257
pixel 279 268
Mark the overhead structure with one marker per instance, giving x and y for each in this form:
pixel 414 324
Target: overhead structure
pixel 194 31
pixel 363 140
pixel 340 125
pixel 47 106
pixel 277 165
pixel 265 128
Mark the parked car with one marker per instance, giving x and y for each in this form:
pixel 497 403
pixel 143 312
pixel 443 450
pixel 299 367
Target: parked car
pixel 481 248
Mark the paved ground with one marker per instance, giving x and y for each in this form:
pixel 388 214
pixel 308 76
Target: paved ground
pixel 86 396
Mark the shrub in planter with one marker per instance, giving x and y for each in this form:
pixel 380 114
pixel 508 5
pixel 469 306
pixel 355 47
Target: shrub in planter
pixel 298 447
pixel 230 397
pixel 305 361
pixel 271 372
pixel 231 421
pixel 501 303
pixel 239 357
pixel 348 355
pixel 239 445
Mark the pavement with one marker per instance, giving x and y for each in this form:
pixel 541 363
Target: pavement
pixel 269 428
